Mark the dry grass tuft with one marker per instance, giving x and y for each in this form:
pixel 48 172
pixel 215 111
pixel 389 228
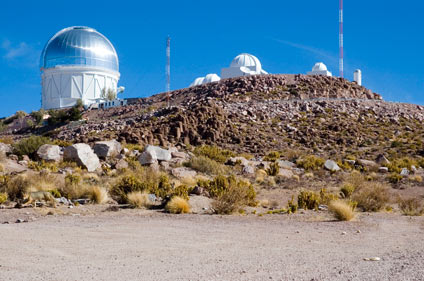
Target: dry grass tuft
pixel 177 205
pixel 205 165
pixel 139 199
pixel 98 195
pixel 372 197
pixel 341 210
pixel 411 206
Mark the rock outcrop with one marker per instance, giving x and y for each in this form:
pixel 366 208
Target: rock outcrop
pixel 105 149
pixel 49 153
pixel 83 155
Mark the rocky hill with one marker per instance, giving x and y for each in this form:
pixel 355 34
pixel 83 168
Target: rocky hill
pixel 258 114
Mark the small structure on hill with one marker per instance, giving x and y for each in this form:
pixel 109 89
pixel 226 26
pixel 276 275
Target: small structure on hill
pixel 243 65
pixel 320 69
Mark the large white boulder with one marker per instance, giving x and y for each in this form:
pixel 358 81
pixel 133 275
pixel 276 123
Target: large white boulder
pixel 49 152
pixel 152 154
pixel 105 149
pixel 83 155
pixel 5 148
pixel 331 166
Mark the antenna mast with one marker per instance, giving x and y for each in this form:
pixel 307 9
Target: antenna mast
pixel 168 67
pixel 341 38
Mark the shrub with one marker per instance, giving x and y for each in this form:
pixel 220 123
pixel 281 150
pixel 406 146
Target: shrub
pixel 356 179
pixel 139 199
pixel 15 187
pixel 205 165
pixel 124 186
pixel 3 197
pixel 42 165
pixel 273 169
pixel 310 162
pixel 272 156
pixel 397 164
pixel 64 115
pixel 341 210
pixel 372 197
pixel 98 194
pixel 181 191
pixel 347 190
pixel 56 193
pixel 214 153
pixel 177 205
pixel 30 145
pixel 394 178
pixel 308 200
pixel 416 178
pixel 38 116
pixel 411 207
pixel 291 206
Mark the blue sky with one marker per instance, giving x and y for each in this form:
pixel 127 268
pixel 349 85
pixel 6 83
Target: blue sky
pixel 383 38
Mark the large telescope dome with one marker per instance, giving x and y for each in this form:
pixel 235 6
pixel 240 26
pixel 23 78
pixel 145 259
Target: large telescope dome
pixel 79 46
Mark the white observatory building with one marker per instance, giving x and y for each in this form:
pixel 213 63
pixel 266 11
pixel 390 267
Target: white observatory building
pixel 320 69
pixel 242 65
pixel 77 63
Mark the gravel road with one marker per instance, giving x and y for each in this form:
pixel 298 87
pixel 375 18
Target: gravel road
pixel 147 245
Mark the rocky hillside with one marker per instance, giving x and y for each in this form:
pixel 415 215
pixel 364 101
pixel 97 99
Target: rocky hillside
pixel 258 114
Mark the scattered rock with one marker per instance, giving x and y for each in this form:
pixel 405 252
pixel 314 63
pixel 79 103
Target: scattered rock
pixel 404 172
pixel 122 164
pixel 183 172
pixel 49 153
pixel 248 170
pixel 383 170
pixel 200 204
pixel 285 173
pixel 284 164
pixel 5 148
pixel 152 154
pixel 240 160
pixel 179 154
pixel 106 149
pixel 367 163
pixel 382 160
pixel 372 259
pixel 83 155
pixel 351 162
pixel 331 166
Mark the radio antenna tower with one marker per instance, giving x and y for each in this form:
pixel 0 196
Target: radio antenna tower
pixel 341 38
pixel 168 67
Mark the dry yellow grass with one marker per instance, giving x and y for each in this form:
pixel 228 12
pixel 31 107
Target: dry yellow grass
pixel 98 194
pixel 138 199
pixel 260 176
pixel 341 210
pixel 178 205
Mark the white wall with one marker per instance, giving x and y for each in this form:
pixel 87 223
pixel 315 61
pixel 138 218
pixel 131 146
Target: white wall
pixel 63 86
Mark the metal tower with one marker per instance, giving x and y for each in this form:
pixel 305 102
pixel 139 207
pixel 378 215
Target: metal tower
pixel 168 67
pixel 341 38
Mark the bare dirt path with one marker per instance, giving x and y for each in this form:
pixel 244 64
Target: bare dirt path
pixel 145 245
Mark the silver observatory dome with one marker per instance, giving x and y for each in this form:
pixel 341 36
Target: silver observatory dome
pixel 79 46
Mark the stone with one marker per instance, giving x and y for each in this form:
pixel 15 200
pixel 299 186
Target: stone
pixel 351 162
pixel 382 160
pixel 179 154
pixel 331 166
pixel 234 160
pixel 26 158
pixel 413 169
pixel 154 153
pixel 83 155
pixel 367 163
pixel 248 170
pixel 49 153
pixel 122 164
pixel 13 157
pixel 165 165
pixel 404 172
pixel 183 172
pixel 200 204
pixel 5 148
pixel 107 149
pixel 284 164
pixel 285 173
pixel 383 170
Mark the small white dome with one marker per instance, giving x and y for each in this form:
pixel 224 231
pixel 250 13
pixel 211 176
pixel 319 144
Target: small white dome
pixel 198 81
pixel 246 60
pixel 319 66
pixel 211 78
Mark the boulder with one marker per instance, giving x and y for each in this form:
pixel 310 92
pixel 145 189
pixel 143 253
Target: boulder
pixel 83 155
pixel 105 149
pixel 404 172
pixel 285 173
pixel 49 153
pixel 366 163
pixel 382 160
pixel 234 160
pixel 179 154
pixel 154 153
pixel 200 204
pixel 122 164
pixel 183 172
pixel 284 164
pixel 383 170
pixel 331 166
pixel 248 170
pixel 5 148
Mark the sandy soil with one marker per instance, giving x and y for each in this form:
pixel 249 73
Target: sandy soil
pixel 89 244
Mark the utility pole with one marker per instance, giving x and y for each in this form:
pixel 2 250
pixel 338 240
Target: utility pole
pixel 168 67
pixel 341 38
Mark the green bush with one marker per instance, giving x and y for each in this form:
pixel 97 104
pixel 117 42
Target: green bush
pixel 411 207
pixel 15 187
pixel 214 153
pixel 308 200
pixel 205 165
pixel 291 206
pixel 394 178
pixel 396 165
pixel 30 145
pixel 310 162
pixel 124 186
pixel 347 190
pixel 3 197
pixel 273 169
pixel 372 197
pixel 272 156
pixel 64 115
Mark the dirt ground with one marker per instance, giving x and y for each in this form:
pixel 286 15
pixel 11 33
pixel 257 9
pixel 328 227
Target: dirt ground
pixel 88 243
